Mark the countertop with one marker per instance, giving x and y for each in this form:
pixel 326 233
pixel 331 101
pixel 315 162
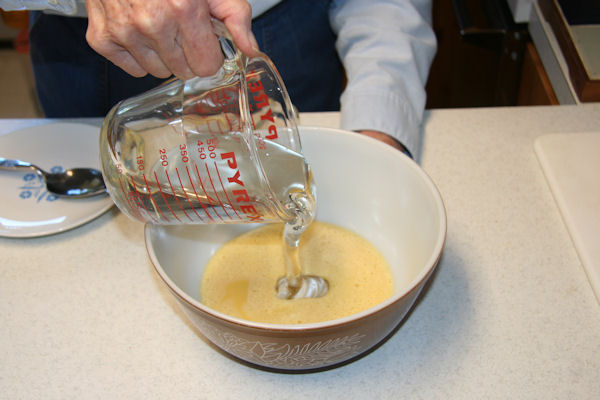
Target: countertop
pixel 509 313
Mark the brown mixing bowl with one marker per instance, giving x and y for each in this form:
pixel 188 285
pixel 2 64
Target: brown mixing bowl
pixel 362 185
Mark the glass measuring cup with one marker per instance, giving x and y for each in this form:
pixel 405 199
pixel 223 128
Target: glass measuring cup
pixel 216 150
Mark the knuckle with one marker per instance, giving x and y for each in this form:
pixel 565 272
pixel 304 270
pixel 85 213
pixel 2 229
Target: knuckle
pixel 91 36
pixel 151 26
pixel 99 43
pixel 245 9
pixel 242 10
pixel 144 24
pixel 181 8
pixel 113 32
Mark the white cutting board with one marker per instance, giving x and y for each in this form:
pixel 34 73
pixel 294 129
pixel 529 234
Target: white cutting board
pixel 571 164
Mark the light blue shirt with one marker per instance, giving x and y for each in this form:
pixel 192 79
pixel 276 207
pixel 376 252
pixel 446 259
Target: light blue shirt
pixel 386 47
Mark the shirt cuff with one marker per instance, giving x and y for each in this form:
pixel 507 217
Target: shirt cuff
pixel 66 7
pixel 388 113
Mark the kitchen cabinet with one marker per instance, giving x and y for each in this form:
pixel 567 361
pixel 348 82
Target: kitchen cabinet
pixel 573 26
pixel 535 88
pixel 484 58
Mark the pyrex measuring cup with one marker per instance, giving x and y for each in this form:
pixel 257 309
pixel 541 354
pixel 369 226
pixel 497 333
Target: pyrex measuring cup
pixel 222 149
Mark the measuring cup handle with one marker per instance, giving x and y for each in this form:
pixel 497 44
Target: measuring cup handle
pixel 220 29
pixel 227 44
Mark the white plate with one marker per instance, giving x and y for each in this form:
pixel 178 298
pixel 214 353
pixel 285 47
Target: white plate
pixel 27 209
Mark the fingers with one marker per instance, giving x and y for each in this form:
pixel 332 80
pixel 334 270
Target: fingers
pixel 199 44
pixel 97 40
pixel 237 16
pixel 138 45
pixel 160 48
pixel 174 59
pixel 164 37
pixel 243 38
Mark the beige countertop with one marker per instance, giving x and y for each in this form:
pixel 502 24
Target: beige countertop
pixel 509 313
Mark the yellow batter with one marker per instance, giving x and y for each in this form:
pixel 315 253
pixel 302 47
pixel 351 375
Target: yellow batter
pixel 240 278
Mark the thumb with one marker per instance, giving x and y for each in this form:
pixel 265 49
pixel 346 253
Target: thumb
pixel 237 17
pixel 243 37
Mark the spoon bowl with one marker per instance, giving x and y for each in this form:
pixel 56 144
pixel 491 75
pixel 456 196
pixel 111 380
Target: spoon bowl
pixel 72 183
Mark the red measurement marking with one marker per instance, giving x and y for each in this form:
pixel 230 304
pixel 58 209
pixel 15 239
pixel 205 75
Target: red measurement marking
pixel 186 196
pixel 219 130
pixel 139 196
pixel 252 120
pixel 196 193
pixel 207 125
pixel 215 191
pixel 177 198
pixel 154 201
pixel 225 191
pixel 131 207
pixel 229 122
pixel 208 198
pixel 164 198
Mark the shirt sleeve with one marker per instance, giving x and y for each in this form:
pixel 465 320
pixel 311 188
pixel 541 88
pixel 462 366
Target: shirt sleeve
pixel 386 47
pixel 67 7
pixel 260 6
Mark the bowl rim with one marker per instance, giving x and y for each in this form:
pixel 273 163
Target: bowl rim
pixel 428 267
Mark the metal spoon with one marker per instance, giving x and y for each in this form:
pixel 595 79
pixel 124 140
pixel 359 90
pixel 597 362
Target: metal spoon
pixel 74 183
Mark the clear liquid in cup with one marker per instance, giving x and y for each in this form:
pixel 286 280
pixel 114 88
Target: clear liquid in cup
pixel 207 179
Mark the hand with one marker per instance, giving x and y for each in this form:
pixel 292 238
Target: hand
pixel 165 37
pixel 385 138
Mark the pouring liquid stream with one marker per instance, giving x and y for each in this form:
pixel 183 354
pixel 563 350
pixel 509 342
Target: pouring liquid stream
pixel 295 284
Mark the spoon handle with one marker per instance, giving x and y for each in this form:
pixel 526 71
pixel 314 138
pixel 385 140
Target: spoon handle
pixel 8 164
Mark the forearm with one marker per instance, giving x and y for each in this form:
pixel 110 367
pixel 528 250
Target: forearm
pixel 387 47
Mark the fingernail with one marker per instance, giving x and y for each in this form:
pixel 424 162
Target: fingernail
pixel 253 41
